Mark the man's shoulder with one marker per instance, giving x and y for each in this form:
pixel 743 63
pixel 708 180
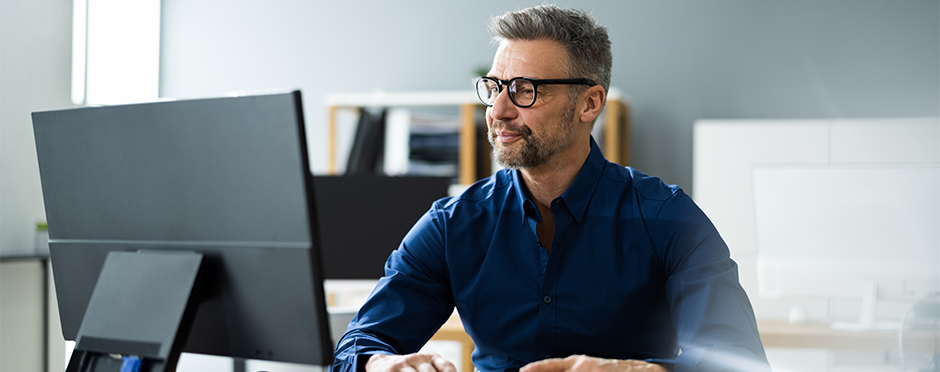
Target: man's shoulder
pixel 647 187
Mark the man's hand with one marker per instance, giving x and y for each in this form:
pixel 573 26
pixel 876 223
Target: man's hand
pixel 582 363
pixel 409 363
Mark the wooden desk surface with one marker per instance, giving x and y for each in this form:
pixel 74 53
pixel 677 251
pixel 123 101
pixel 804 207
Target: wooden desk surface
pixel 780 333
pixel 452 330
pixel 773 333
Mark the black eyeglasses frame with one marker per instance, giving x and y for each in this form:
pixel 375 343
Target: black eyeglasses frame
pixel 535 85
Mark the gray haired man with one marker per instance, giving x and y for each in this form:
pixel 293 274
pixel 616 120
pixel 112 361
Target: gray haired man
pixel 563 261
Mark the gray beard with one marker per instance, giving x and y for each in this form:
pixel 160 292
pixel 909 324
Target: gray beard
pixel 536 149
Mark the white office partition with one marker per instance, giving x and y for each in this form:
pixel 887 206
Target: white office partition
pixel 826 230
pixel 728 152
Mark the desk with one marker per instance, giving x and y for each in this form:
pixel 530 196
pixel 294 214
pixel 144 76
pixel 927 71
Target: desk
pixel 773 333
pixel 818 335
pixel 42 260
pixel 453 330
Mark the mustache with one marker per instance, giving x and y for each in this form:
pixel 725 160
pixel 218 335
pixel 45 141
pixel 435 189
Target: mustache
pixel 522 129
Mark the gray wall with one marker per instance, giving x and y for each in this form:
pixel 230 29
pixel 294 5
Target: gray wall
pixel 35 73
pixel 676 60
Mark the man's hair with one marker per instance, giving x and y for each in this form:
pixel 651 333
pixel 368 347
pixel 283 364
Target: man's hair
pixel 584 40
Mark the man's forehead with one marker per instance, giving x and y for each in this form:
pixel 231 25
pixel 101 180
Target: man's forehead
pixel 542 59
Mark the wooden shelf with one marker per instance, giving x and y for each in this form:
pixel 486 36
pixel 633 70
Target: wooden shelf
pixel 616 118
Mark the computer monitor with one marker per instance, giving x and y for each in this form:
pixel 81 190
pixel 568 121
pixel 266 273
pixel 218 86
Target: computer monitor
pixel 202 206
pixel 388 206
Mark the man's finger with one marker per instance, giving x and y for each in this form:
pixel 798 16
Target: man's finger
pixel 442 365
pixel 547 365
pixel 426 367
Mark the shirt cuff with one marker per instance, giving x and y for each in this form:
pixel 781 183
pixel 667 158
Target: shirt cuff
pixel 668 364
pixel 361 360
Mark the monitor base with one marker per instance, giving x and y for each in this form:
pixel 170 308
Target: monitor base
pixel 866 317
pixel 143 306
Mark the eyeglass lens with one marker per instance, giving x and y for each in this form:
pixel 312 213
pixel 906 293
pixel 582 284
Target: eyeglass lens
pixel 521 91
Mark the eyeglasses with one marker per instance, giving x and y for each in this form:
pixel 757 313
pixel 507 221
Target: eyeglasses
pixel 522 90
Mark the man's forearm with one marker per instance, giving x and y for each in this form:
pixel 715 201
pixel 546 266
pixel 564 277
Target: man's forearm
pixel 354 349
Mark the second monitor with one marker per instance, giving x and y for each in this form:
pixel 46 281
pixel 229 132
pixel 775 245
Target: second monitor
pixel 364 218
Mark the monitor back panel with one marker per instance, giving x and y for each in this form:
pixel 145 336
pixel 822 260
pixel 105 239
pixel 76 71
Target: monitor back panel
pixel 227 177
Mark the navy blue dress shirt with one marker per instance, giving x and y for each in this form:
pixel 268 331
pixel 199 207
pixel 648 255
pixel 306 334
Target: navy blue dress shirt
pixel 635 271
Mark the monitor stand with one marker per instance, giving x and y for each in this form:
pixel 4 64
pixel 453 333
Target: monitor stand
pixel 142 308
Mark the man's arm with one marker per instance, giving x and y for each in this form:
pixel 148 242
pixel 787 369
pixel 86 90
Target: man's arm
pixel 714 321
pixel 407 306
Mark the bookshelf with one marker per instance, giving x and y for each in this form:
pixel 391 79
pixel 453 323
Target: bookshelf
pixel 615 119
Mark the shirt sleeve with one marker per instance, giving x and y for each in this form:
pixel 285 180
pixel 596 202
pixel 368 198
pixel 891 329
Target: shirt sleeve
pixel 715 324
pixel 408 304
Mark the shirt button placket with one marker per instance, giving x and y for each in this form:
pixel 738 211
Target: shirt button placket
pixel 546 328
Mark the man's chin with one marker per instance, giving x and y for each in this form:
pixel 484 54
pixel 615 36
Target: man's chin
pixel 504 151
pixel 506 160
pixel 513 161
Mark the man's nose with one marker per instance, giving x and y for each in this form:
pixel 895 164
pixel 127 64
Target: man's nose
pixel 503 108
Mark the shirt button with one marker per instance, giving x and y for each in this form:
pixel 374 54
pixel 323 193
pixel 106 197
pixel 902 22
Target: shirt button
pixel 547 299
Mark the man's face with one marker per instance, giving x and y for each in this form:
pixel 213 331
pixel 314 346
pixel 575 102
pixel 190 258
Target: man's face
pixel 529 137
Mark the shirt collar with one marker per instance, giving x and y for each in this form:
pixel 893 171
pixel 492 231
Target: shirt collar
pixel 578 196
pixel 525 205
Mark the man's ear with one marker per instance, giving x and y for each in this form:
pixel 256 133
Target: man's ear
pixel 592 102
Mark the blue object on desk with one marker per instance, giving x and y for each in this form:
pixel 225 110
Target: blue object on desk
pixel 130 364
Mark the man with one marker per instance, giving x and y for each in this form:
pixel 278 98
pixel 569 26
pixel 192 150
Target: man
pixel 563 261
